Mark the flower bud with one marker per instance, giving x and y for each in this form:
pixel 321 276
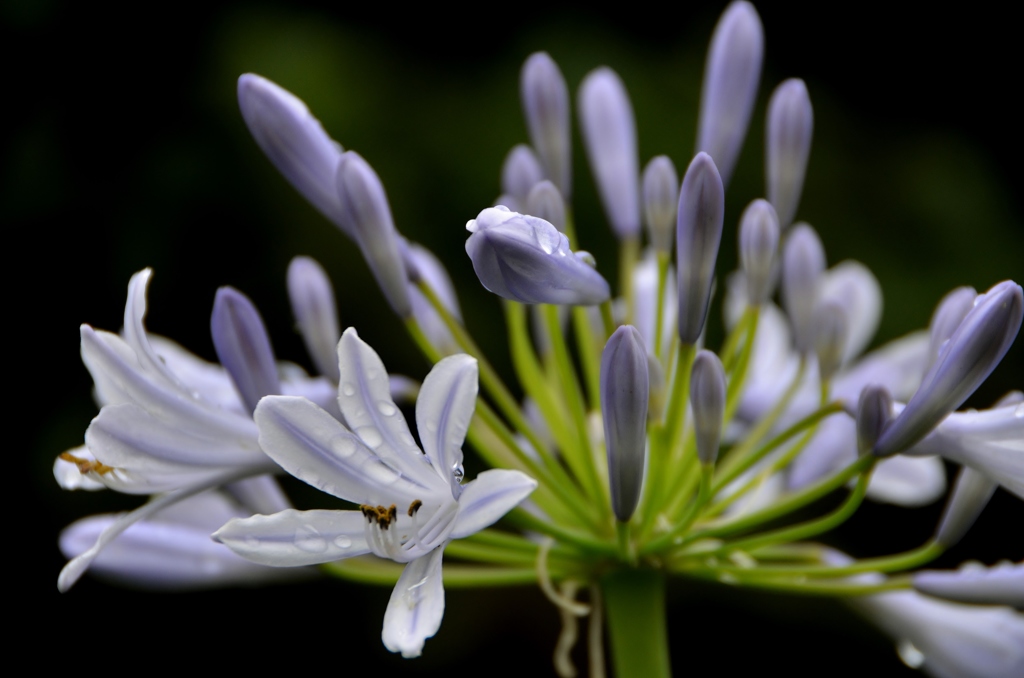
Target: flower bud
pixel 526 259
pixel 624 395
pixel 759 243
pixel 294 141
pixel 788 145
pixel 545 202
pixel 243 346
pixel 366 211
pixel 423 265
pixel 312 299
pixel 609 135
pixel 874 410
pixel 830 332
pixel 947 317
pixel 965 361
pixel 707 397
pixel 698 235
pixel 731 74
pixel 661 200
pixel 546 108
pixel 520 172
pixel 969 498
pixel 803 262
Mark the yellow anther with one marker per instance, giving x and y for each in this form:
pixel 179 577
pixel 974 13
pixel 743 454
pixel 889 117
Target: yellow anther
pixel 86 465
pixel 414 507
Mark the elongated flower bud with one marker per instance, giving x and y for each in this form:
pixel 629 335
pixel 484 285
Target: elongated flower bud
pixel 698 235
pixel 661 201
pixel 545 202
pixel 423 265
pixel 312 298
pixel 731 74
pixel 243 346
pixel 609 134
pixel 546 108
pixel 624 395
pixel 874 410
pixel 520 172
pixel 970 496
pixel 294 141
pixel 948 315
pixel 523 258
pixel 707 397
pixel 366 211
pixel 803 262
pixel 831 328
pixel 976 347
pixel 789 126
pixel 759 245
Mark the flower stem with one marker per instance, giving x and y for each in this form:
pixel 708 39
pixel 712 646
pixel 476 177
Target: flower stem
pixel 635 607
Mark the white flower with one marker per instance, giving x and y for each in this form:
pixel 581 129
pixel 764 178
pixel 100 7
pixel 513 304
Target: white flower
pixel 1001 584
pixel 411 502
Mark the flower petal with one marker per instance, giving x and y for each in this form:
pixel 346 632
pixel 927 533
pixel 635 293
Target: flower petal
pixel 68 475
pixel 485 500
pixel 364 395
pixel 444 410
pixel 857 291
pixel 292 538
pixel 416 607
pixel 908 481
pixel 1002 584
pixel 314 447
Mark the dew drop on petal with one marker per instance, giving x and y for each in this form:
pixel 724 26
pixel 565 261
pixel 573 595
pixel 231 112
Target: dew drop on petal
pixel 379 473
pixel 343 446
pixel 371 436
pixel 910 655
pixel 348 388
pixel 342 542
pixel 385 408
pixel 458 472
pixel 308 539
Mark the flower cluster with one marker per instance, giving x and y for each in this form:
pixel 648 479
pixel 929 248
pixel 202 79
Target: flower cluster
pixel 636 451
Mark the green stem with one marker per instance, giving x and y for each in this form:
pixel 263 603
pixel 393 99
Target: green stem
pixel 628 249
pixel 894 563
pixel 369 570
pixel 635 608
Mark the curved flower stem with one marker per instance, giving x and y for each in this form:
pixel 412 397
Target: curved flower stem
pixel 738 375
pixel 581 540
pixel 628 249
pixel 804 587
pixel 590 355
pixel 659 310
pixel 894 563
pixel 635 608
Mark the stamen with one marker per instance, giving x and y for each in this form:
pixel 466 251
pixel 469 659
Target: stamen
pixel 568 636
pixel 544 579
pixel 86 465
pixel 414 507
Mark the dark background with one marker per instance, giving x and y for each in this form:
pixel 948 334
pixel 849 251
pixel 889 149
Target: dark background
pixel 123 149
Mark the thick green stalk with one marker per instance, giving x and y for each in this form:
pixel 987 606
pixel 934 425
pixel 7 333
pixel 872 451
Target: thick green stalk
pixel 635 608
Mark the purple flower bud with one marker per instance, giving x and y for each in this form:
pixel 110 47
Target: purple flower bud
pixel 803 262
pixel 294 141
pixel 707 397
pixel 970 495
pixel 546 108
pixel 874 411
pixel 545 202
pixel 423 265
pixel 661 201
pixel 759 244
pixel 964 362
pixel 526 259
pixel 624 395
pixel 366 211
pixel 831 329
pixel 731 74
pixel 243 346
pixel 788 145
pixel 609 135
pixel 520 172
pixel 312 298
pixel 698 235
pixel 947 317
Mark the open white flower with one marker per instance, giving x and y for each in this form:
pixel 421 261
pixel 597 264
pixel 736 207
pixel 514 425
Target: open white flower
pixel 412 502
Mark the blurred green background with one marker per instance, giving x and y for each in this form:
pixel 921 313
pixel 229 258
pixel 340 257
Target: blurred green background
pixel 124 149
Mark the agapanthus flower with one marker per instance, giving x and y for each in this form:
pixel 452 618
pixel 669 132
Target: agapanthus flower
pixel 412 501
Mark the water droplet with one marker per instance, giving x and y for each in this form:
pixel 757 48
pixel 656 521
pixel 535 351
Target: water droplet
pixel 343 446
pixel 458 472
pixel 348 388
pixel 342 542
pixel 910 655
pixel 386 408
pixel 370 435
pixel 309 540
pixel 380 474
pixel 547 239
